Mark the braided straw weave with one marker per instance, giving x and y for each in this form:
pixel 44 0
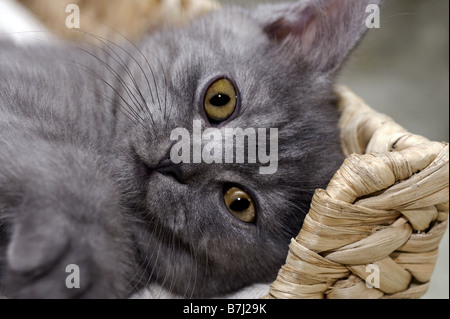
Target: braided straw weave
pixel 386 209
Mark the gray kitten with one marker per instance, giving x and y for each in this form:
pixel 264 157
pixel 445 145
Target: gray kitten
pixel 87 175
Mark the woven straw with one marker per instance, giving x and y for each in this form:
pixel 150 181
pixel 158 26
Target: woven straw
pixel 383 214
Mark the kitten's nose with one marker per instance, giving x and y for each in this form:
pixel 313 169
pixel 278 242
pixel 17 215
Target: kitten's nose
pixel 168 168
pixel 164 163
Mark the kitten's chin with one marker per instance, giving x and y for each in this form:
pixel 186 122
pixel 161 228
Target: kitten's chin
pixel 166 202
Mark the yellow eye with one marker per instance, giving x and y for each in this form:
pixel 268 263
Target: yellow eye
pixel 220 100
pixel 240 204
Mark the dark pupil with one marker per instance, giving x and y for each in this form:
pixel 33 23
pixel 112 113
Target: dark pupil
pixel 240 205
pixel 220 100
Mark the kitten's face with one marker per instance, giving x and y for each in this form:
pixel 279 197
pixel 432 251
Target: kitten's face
pixel 191 240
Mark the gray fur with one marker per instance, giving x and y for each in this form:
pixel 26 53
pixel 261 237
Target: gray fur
pixel 81 132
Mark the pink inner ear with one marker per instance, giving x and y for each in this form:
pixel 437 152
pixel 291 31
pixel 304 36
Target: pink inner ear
pixel 322 32
pixel 303 27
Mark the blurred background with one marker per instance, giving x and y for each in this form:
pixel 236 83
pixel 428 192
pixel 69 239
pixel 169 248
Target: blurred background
pixel 402 70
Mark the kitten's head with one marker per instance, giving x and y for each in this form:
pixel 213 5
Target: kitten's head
pixel 209 229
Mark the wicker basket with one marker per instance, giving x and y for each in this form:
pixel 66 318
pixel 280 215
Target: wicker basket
pixel 374 232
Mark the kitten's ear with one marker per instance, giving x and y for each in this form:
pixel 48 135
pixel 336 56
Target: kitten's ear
pixel 323 32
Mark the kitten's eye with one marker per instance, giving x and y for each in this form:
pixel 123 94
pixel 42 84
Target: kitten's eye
pixel 240 204
pixel 220 100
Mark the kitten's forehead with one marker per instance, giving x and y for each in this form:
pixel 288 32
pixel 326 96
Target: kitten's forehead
pixel 224 43
pixel 217 34
pixel 230 24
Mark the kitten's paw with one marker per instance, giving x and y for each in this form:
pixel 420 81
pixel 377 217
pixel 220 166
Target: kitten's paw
pixel 53 260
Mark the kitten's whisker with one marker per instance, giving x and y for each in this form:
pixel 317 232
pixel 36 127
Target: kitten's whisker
pixel 124 85
pixel 130 108
pixel 110 68
pixel 86 69
pixel 158 234
pixel 170 112
pixel 121 109
pixel 171 254
pixel 151 71
pixel 144 73
pixel 127 70
pixel 205 273
pixel 166 92
pixel 134 282
pixel 146 260
pixel 117 105
pixel 105 41
pixel 129 54
pixel 156 87
pixel 175 278
pixel 165 83
pixel 194 283
pixel 194 256
pixel 161 284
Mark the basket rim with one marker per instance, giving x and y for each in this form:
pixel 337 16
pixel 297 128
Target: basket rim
pixel 375 187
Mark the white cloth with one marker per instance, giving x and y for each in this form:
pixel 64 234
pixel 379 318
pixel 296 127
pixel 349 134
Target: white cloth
pixel 256 291
pixel 19 24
